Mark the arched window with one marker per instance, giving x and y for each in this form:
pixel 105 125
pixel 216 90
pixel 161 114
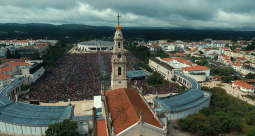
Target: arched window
pixel 119 71
pixel 118 45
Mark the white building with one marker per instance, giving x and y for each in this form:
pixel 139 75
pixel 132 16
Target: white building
pixel 247 69
pixel 243 86
pixel 199 73
pixel 95 45
pixel 237 65
pixel 30 69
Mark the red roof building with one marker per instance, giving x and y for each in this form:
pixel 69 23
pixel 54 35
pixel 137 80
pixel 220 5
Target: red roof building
pixel 243 84
pixel 125 106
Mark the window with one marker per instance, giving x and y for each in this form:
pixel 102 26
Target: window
pixel 118 45
pixel 119 71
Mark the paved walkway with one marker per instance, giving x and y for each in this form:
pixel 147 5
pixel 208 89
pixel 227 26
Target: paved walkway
pixel 232 91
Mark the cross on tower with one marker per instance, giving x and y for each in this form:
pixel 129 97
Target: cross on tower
pixel 118 19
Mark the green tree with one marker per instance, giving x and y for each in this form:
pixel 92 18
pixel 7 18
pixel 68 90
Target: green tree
pixel 250 76
pixel 251 46
pixel 138 65
pixel 13 55
pixel 251 131
pixel 169 40
pixel 250 117
pixel 65 128
pixel 8 54
pixel 215 57
pixel 155 79
pixel 16 55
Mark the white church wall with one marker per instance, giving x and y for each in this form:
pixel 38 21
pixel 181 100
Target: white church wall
pixel 142 128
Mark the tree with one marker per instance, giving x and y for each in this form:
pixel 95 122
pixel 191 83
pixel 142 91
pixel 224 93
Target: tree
pixel 250 131
pixel 155 79
pixel 251 46
pixel 16 55
pixel 13 55
pixel 201 52
pixel 215 57
pixel 250 76
pixel 138 65
pixel 8 54
pixel 65 128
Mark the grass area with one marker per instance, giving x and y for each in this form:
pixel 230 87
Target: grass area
pixel 249 97
pixel 219 84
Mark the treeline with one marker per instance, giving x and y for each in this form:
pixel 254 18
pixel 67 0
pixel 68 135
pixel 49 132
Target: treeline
pixel 225 114
pixel 83 32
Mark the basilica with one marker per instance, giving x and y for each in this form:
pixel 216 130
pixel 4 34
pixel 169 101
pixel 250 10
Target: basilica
pixel 125 110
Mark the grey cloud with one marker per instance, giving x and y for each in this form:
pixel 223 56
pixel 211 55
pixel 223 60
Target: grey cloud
pixel 156 13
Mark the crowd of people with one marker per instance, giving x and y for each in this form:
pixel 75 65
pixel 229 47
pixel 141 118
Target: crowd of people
pixel 77 77
pixel 74 76
pixel 169 87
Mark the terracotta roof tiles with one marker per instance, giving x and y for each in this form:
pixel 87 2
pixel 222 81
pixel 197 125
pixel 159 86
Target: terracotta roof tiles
pixel 9 66
pixel 125 106
pixel 243 84
pixel 197 67
pixel 167 59
pixel 101 128
pixel 4 76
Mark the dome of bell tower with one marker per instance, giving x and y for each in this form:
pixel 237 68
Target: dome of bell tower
pixel 118 27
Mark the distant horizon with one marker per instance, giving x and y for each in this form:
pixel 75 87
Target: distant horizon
pixel 160 27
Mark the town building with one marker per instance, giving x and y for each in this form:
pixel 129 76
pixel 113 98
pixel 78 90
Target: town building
pixel 246 69
pixel 243 86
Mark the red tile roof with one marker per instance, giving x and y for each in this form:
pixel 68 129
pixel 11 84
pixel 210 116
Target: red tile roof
pixel 167 59
pixel 240 58
pixel 153 46
pixel 101 128
pixel 243 84
pixel 26 47
pixel 125 106
pixel 180 59
pixel 225 48
pixel 190 63
pixel 17 60
pixel 238 63
pixel 9 66
pixel 4 76
pixel 197 67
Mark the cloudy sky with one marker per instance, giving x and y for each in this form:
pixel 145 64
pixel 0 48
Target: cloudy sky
pixel 147 13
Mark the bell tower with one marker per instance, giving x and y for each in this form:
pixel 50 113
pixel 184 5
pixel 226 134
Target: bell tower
pixel 118 77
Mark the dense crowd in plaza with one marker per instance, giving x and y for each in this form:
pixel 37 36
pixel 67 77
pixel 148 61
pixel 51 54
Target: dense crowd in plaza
pixel 74 77
pixel 77 77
